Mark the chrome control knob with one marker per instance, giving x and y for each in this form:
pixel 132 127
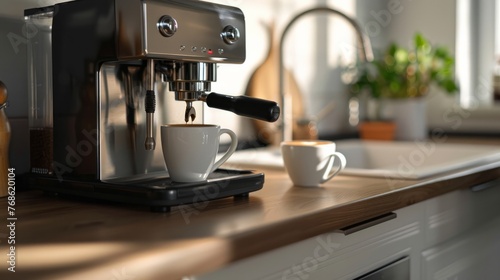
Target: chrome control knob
pixel 167 26
pixel 230 34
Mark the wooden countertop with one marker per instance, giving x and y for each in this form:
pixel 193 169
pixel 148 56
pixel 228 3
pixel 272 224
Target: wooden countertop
pixel 64 238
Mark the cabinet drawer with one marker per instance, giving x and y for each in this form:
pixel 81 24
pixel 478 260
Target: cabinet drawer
pixel 446 216
pixel 485 202
pixel 451 214
pixel 472 255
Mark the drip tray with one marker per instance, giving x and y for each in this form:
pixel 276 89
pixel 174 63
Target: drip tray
pixel 159 193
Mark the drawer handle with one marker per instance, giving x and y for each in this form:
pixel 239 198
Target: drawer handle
pixel 484 186
pixel 367 223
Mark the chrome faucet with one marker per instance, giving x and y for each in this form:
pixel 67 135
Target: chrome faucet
pixel 365 55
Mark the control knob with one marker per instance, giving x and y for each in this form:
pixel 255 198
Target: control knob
pixel 167 26
pixel 230 34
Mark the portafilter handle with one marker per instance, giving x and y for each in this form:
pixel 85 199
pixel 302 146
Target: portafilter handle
pixel 255 108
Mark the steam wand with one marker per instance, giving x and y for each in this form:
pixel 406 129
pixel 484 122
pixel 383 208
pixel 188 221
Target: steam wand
pixel 150 104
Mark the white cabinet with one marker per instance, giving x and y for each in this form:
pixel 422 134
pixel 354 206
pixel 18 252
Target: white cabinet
pixel 462 234
pixel 451 214
pixel 446 216
pixel 335 255
pixel 472 255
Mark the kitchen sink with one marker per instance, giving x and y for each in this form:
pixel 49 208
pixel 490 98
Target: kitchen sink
pixel 402 160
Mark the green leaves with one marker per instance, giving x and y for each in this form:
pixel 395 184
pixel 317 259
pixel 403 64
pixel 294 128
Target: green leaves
pixel 407 73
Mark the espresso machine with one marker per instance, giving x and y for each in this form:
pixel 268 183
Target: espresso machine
pixel 106 74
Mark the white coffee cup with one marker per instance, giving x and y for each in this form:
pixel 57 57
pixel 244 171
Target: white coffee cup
pixel 190 150
pixel 311 163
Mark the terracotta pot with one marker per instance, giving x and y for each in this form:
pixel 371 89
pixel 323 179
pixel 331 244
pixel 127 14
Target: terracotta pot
pixel 377 130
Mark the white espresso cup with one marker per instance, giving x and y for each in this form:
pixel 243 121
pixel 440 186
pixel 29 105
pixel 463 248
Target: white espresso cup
pixel 190 150
pixel 311 163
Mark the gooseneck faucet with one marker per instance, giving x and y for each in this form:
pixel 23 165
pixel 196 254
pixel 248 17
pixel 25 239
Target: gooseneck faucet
pixel 365 55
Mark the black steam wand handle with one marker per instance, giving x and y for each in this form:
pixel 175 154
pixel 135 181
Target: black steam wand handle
pixel 255 108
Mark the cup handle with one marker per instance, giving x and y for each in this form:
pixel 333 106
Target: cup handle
pixel 230 151
pixel 331 172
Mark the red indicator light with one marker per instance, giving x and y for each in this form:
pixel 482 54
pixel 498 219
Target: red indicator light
pixel 210 51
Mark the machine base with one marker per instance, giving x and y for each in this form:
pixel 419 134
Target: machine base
pixel 160 193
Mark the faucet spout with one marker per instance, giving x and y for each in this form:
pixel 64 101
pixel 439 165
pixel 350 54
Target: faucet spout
pixel 364 52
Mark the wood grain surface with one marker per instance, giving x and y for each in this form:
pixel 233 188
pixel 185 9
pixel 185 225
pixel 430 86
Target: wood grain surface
pixel 67 238
pixel 4 150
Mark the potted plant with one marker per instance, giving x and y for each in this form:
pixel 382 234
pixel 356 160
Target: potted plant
pixel 403 76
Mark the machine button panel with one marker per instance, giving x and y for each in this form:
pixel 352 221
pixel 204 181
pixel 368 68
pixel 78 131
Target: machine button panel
pixel 173 32
pixel 167 26
pixel 230 34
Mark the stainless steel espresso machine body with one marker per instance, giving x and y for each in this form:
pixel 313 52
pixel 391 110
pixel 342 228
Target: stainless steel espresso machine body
pixel 120 69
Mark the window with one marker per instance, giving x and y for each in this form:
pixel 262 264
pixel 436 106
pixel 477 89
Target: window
pixel 478 52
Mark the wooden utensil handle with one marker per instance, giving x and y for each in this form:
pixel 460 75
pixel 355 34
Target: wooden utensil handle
pixel 4 152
